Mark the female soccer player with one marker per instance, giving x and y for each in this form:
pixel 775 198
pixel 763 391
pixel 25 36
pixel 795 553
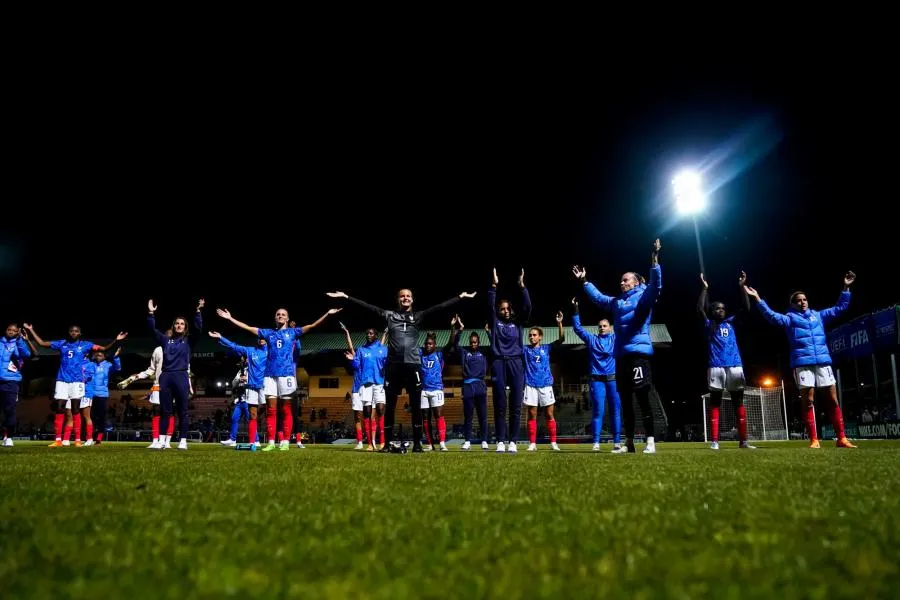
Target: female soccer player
pixel 96 394
pixel 603 378
pixel 257 359
pixel 404 359
pixel 69 389
pixel 433 392
pixel 174 382
pixel 810 358
pixel 372 356
pixel 280 381
pixel 13 352
pixel 539 382
pixel 507 367
pixel 474 389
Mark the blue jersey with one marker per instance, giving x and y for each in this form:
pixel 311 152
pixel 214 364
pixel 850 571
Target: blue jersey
pixel 537 366
pixel 176 350
pixel 432 370
pixel 12 354
pixel 96 383
pixel 257 358
pixel 601 347
pixel 357 373
pixel 280 345
pixel 723 348
pixel 371 360
pixel 72 356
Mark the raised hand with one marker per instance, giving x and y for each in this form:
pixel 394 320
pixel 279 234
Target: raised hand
pixel 575 304
pixel 334 311
pixel 214 334
pixel 118 351
pixel 751 292
pixel 467 294
pixel 559 317
pixel 150 306
pixel 495 280
pixel 122 335
pixel 579 272
pixel 344 327
pixel 849 278
pixel 223 312
pixel 200 304
pixel 336 294
pixel 349 355
pixel 656 246
pixel 292 324
pixel 522 279
pixel 27 326
pixel 703 281
pixel 742 280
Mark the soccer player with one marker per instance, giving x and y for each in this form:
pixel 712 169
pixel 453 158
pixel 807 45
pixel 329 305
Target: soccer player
pixel 810 359
pixel 432 401
pixel 603 378
pixel 96 394
pixel 254 393
pixel 474 389
pixel 174 381
pixel 362 413
pixel 539 382
pixel 726 371
pixel 404 357
pixel 154 371
pixel 13 352
pixel 280 380
pixel 372 357
pixel 632 311
pixel 69 389
pixel 507 366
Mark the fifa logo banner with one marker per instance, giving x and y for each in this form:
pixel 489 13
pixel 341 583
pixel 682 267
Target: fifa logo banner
pixel 886 335
pixel 856 339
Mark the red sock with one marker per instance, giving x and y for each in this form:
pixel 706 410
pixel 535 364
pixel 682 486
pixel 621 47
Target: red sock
pixel 90 431
pixel 427 431
pixel 442 429
pixel 58 421
pixel 714 420
pixel 271 419
pixel 99 437
pixel 154 426
pixel 171 428
pixel 551 425
pixel 77 426
pixel 380 428
pixel 837 421
pixel 359 433
pixel 287 426
pixel 532 431
pixel 742 422
pixel 251 431
pixel 367 428
pixel 811 422
pixel 67 433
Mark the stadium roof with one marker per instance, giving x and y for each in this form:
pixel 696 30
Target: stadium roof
pixel 323 342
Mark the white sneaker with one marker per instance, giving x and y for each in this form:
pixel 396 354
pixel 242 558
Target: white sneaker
pixel 300 445
pixel 747 446
pixel 443 446
pixel 8 443
pixel 501 447
pixel 182 445
pixel 531 448
pixel 89 442
pixel 427 448
pixel 286 445
pixel 359 446
pixel 466 445
pixel 66 443
pixel 714 446
pixel 650 448
pixel 618 449
pixel 229 442
pixel 512 448
pixel 553 446
pixel 484 446
pixel 596 447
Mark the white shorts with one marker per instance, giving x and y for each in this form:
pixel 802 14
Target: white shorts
pixel 86 403
pixel 726 378
pixel 432 399
pixel 68 391
pixel 356 403
pixel 283 387
pixel 253 397
pixel 817 376
pixel 539 396
pixel 372 393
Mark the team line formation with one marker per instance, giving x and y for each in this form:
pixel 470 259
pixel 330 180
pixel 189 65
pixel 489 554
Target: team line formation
pixel 620 366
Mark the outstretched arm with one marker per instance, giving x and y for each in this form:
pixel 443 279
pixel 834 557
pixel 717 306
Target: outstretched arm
pixel 320 320
pixel 562 332
pixel 843 300
pixel 347 336
pixel 378 311
pixel 122 335
pixel 703 300
pixel 24 347
pixel 580 331
pixel 650 295
pixel 593 293
pixel 225 314
pixel 445 304
pixel 526 299
pixel 37 338
pixel 768 314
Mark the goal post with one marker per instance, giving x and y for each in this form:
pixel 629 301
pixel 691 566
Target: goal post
pixel 766 415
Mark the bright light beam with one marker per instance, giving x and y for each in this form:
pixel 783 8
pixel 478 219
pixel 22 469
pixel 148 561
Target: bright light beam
pixel 687 187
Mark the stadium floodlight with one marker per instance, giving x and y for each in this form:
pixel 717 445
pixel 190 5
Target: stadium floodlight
pixel 768 382
pixel 687 187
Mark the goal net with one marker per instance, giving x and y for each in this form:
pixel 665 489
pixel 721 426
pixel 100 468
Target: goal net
pixel 766 415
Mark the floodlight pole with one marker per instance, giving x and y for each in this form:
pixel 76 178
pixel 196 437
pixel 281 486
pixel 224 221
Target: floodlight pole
pixel 699 248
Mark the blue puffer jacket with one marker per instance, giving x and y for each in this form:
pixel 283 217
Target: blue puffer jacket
pixel 631 314
pixel 806 330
